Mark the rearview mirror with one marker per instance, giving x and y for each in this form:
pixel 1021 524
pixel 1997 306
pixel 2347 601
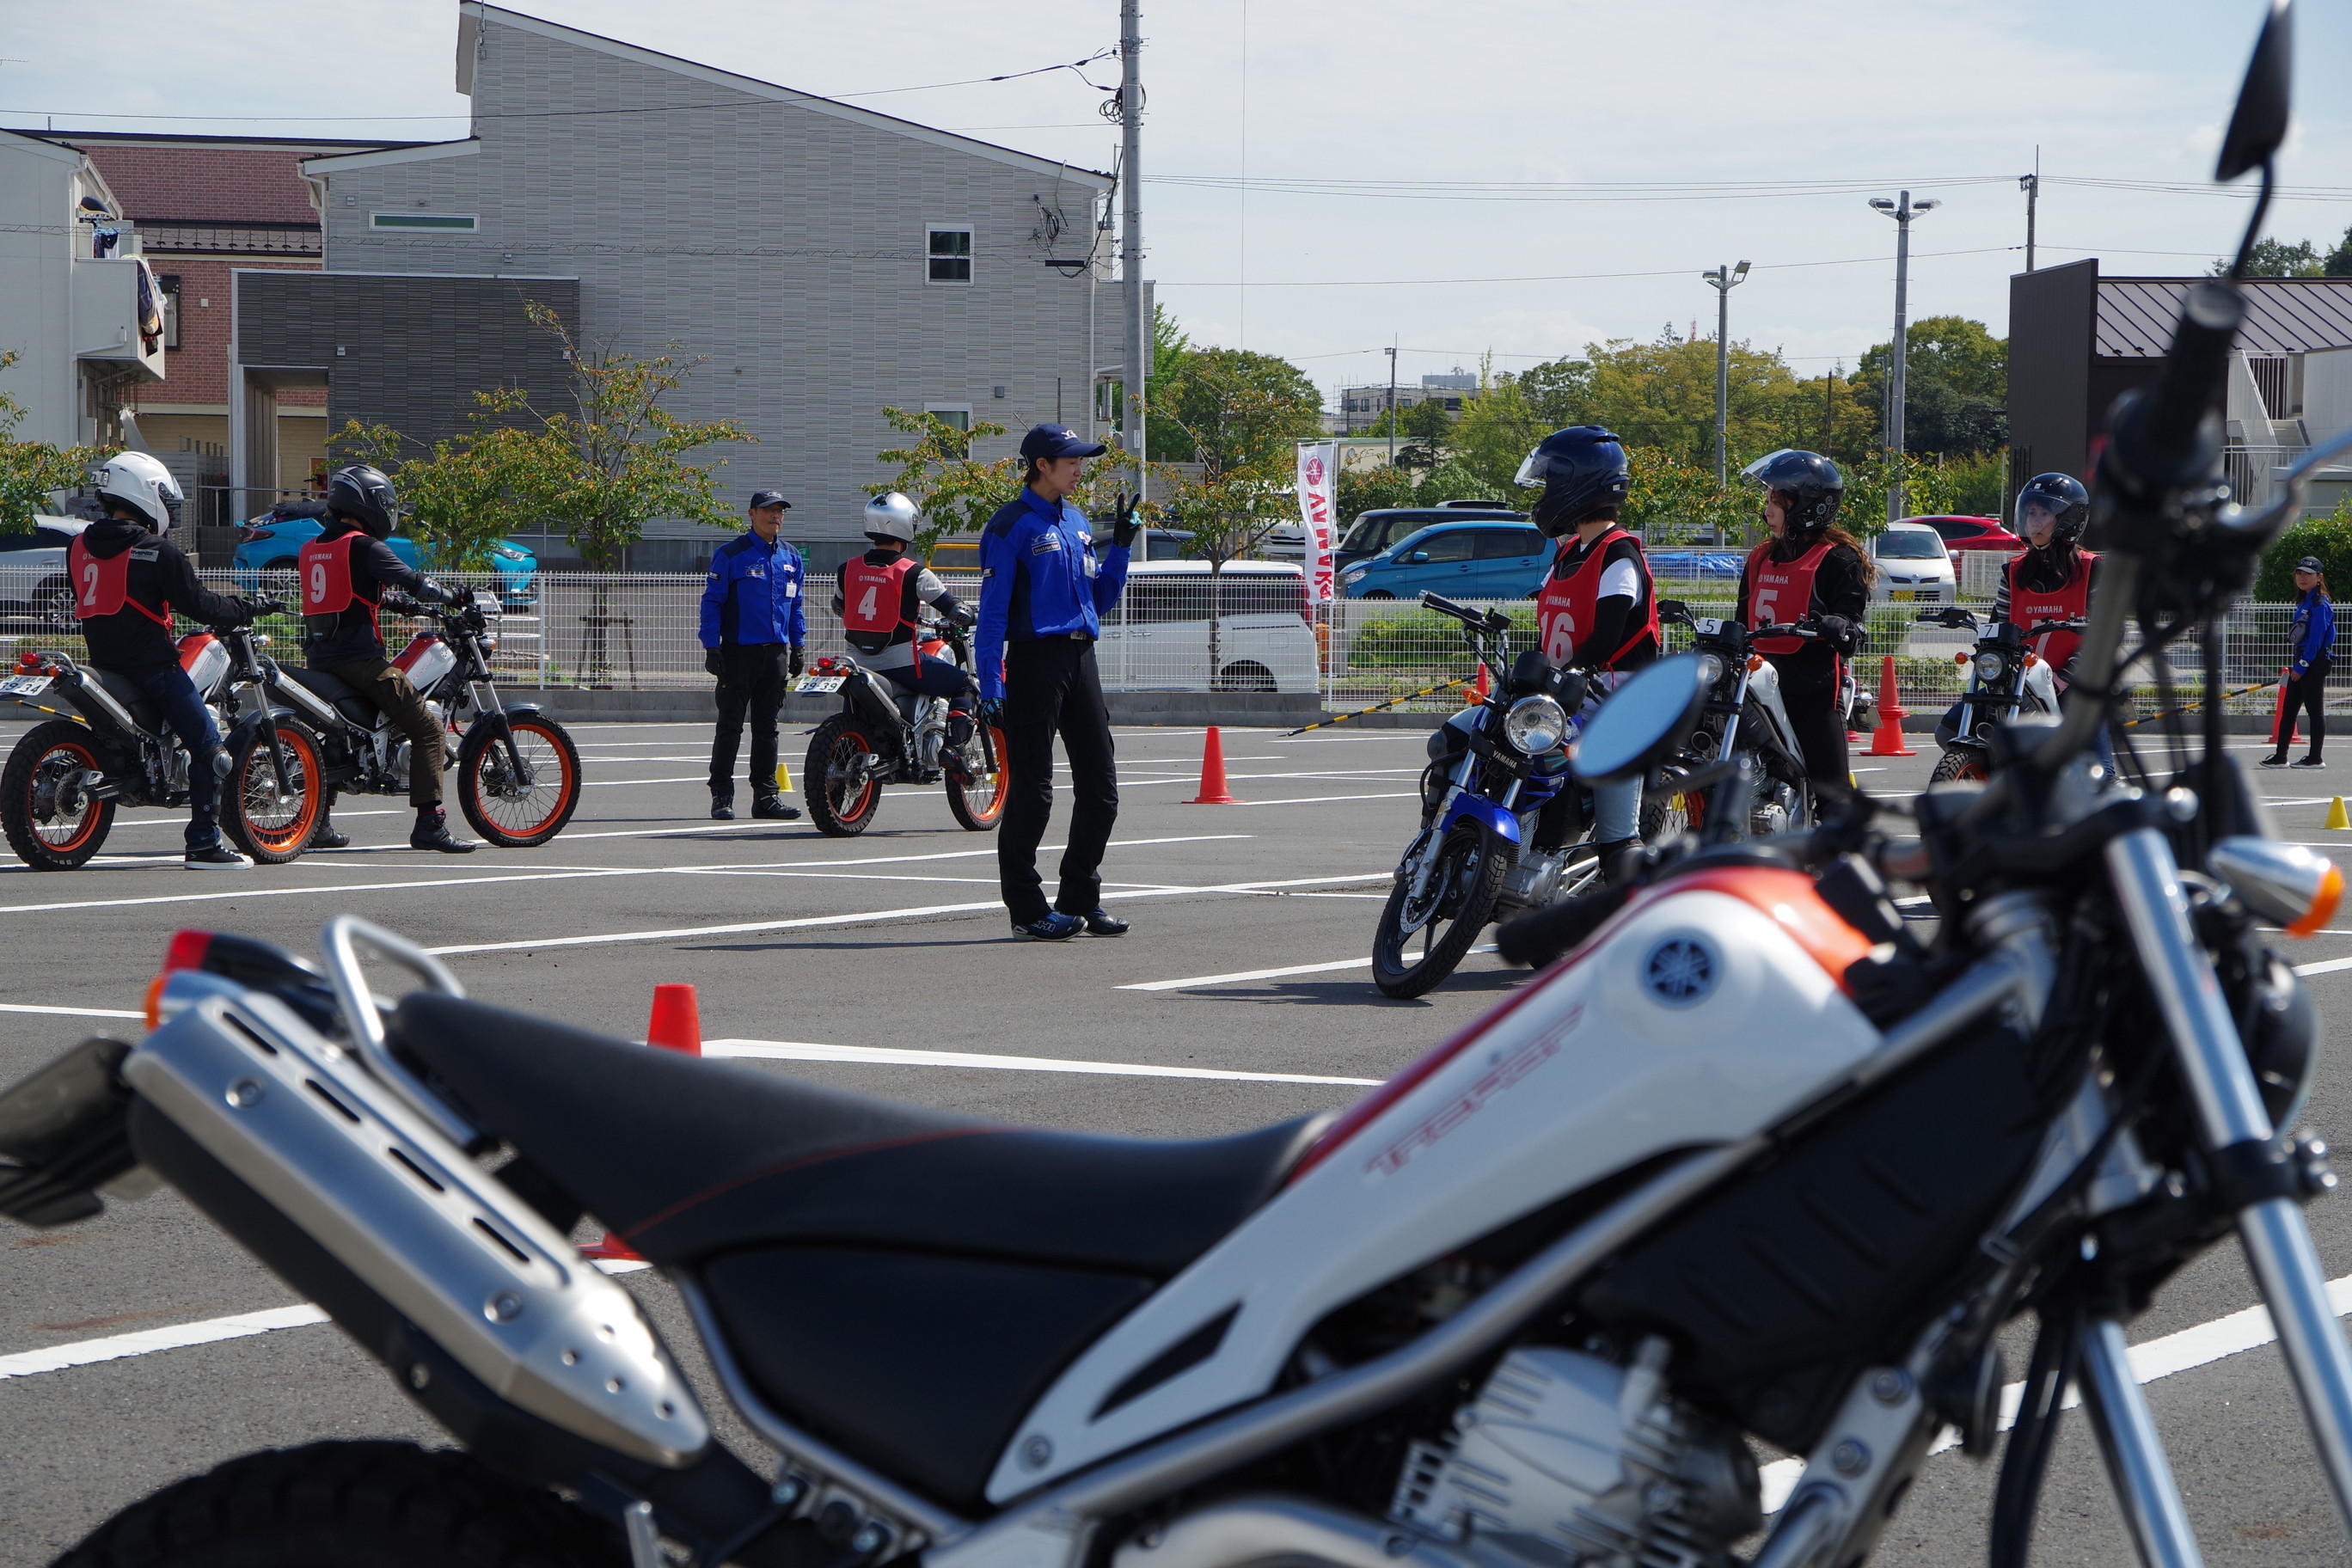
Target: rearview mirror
pixel 1416 558
pixel 1641 720
pixel 2258 124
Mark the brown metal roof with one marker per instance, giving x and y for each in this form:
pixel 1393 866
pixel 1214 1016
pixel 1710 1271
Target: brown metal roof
pixel 2283 315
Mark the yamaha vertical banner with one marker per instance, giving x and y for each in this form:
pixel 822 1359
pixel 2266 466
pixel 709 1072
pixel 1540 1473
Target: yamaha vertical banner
pixel 1319 483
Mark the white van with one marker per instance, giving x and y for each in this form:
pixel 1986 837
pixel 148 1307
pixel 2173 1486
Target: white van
pixel 1158 637
pixel 1913 566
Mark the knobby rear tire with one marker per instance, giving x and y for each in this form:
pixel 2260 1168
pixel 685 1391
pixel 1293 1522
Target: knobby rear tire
pixel 58 743
pixel 354 1505
pixel 842 743
pixel 1480 862
pixel 978 802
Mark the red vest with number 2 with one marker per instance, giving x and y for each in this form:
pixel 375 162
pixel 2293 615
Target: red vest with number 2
pixel 874 598
pixel 1779 591
pixel 101 585
pixel 327 585
pixel 1564 609
pixel 2029 606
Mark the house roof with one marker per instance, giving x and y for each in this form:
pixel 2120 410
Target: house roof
pixel 198 186
pixel 2283 315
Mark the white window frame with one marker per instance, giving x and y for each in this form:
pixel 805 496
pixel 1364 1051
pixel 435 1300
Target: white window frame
pixel 931 231
pixel 946 408
pixel 439 223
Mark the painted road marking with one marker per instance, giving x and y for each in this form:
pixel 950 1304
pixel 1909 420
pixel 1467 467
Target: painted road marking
pixel 1319 799
pixel 1238 976
pixel 70 1012
pixel 892 1056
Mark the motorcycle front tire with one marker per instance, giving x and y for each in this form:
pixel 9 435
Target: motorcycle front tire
pixel 1474 860
pixel 844 794
pixel 68 741
pixel 513 821
pixel 1960 762
pixel 252 779
pixel 356 1505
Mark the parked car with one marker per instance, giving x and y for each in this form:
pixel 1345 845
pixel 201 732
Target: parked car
pixel 1158 640
pixel 267 545
pixel 1373 532
pixel 33 579
pixel 1913 566
pixel 1960 533
pixel 1690 565
pixel 1487 559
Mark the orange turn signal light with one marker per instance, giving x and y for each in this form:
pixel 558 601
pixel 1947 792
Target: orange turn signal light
pixel 2284 882
pixel 2323 907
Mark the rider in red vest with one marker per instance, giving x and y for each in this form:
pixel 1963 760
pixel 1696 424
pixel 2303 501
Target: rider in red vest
pixel 880 599
pixel 1810 570
pixel 127 580
pixel 2050 580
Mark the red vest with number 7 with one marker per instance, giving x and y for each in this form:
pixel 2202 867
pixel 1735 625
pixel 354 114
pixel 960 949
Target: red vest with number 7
pixel 101 585
pixel 1779 591
pixel 874 598
pixel 1564 609
pixel 2029 607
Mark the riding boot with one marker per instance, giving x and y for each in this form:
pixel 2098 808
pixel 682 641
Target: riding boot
pixel 432 832
pixel 1619 859
pixel 327 835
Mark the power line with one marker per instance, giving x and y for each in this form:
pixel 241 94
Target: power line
pixel 1575 276
pixel 1529 193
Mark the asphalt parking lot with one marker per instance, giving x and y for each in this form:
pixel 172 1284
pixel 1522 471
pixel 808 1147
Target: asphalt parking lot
pixel 144 1346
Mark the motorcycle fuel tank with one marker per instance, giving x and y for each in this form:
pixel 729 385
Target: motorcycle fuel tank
pixel 206 659
pixel 426 660
pixel 1707 1012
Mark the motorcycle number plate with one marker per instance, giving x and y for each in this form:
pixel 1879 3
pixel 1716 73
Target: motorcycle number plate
pixel 819 683
pixel 1709 626
pixel 25 685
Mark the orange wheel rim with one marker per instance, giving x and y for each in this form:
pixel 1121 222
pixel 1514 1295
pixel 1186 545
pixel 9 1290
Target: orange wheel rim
pixel 999 781
pixel 849 750
pixel 302 763
pixel 88 760
pixel 539 750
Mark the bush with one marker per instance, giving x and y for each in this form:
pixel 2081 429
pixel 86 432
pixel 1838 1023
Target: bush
pixel 2329 538
pixel 1424 641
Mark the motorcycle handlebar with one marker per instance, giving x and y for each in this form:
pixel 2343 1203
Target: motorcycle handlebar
pixel 2195 370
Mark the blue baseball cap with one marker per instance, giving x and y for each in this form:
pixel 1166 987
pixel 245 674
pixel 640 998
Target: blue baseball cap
pixel 769 497
pixel 1055 441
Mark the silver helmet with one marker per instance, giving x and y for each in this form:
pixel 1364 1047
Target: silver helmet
pixel 890 516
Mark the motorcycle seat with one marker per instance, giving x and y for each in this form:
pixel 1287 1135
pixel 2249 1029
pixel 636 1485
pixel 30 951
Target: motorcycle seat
pixel 144 713
pixel 336 692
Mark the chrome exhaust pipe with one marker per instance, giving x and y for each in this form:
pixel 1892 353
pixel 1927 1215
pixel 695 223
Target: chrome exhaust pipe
pixel 1272 1527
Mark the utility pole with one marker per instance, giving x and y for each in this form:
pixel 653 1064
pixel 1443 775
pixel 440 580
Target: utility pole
pixel 1829 407
pixel 2032 184
pixel 1138 370
pixel 1902 211
pixel 1724 280
pixel 1391 354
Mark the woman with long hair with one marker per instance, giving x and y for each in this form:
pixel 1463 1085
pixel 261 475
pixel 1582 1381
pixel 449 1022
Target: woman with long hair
pixel 1810 569
pixel 2313 640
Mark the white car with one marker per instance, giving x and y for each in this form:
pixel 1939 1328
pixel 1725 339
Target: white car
pixel 1158 638
pixel 1913 566
pixel 33 571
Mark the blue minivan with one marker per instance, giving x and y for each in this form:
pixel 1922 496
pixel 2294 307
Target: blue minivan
pixel 1486 558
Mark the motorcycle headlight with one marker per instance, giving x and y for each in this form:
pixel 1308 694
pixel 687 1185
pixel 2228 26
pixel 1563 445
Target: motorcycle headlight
pixel 1535 725
pixel 1990 666
pixel 1710 670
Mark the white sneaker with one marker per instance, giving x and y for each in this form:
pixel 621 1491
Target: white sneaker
pixel 215 857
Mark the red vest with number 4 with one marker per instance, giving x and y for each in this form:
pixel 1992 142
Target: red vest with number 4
pixel 327 585
pixel 2029 607
pixel 874 598
pixel 1564 607
pixel 1779 591
pixel 101 585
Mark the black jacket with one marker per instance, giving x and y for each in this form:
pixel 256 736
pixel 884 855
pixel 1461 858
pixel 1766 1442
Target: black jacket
pixel 159 577
pixel 351 633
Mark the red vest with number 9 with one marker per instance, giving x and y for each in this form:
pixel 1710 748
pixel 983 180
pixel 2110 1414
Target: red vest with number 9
pixel 101 585
pixel 1779 591
pixel 1564 609
pixel 874 598
pixel 327 585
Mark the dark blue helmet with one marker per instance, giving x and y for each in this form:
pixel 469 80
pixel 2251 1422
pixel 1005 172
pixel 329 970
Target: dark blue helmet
pixel 1809 485
pixel 2062 497
pixel 1581 472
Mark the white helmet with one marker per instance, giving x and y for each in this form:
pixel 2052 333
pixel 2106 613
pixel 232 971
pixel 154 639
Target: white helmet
pixel 890 516
pixel 138 484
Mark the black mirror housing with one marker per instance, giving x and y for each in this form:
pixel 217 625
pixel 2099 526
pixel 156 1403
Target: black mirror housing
pixel 2258 125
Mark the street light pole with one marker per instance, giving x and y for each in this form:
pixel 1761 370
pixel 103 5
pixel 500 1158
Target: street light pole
pixel 1138 370
pixel 1724 280
pixel 1902 211
pixel 1391 354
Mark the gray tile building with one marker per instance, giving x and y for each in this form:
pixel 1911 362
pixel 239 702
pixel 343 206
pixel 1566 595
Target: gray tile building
pixel 824 260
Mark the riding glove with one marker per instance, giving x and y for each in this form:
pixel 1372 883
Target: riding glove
pixel 797 662
pixel 712 664
pixel 1124 519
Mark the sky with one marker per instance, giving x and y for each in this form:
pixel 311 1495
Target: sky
pixel 1324 180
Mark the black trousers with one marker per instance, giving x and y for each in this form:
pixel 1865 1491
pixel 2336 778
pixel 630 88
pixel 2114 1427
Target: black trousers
pixel 2306 693
pixel 1808 689
pixel 752 688
pixel 1050 687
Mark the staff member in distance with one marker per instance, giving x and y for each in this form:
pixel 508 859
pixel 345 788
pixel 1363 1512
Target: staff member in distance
pixel 753 632
pixel 1043 593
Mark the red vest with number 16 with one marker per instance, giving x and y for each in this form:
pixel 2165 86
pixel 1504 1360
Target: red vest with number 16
pixel 1564 609
pixel 1779 591
pixel 101 585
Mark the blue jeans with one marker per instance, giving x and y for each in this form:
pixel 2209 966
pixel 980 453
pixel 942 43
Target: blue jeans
pixel 936 677
pixel 174 696
pixel 1617 811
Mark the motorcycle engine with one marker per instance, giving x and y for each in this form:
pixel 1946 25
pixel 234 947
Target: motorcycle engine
pixel 1566 1459
pixel 1534 881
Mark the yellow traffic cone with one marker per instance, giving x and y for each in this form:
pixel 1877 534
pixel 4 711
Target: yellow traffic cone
pixel 784 778
pixel 2335 814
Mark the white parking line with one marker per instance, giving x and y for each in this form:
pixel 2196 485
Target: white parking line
pixel 1239 975
pixel 890 1056
pixel 1319 799
pixel 68 1012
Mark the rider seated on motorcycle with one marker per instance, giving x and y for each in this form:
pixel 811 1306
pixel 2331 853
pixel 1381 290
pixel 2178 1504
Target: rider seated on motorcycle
pixel 2050 580
pixel 345 572
pixel 128 580
pixel 879 599
pixel 1810 569
pixel 1597 610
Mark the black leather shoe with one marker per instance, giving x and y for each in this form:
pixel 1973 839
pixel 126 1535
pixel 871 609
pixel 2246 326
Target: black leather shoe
pixel 774 808
pixel 722 808
pixel 1056 927
pixel 432 832
pixel 1101 922
pixel 327 835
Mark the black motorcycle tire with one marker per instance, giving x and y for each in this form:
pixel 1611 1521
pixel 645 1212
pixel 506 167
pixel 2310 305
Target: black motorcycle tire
pixel 840 744
pixel 482 760
pixel 45 740
pixel 1480 862
pixel 356 1505
pixel 977 799
pixel 249 765
pixel 1960 762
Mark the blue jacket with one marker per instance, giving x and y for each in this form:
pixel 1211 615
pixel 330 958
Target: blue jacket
pixel 752 594
pixel 1039 578
pixel 2315 630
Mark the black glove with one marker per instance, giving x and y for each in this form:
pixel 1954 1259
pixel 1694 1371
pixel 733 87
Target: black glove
pixel 249 610
pixel 1841 634
pixel 1124 519
pixel 992 712
pixel 431 593
pixel 797 661
pixel 712 664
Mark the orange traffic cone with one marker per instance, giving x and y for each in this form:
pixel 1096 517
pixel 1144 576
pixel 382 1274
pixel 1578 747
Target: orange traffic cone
pixel 675 1025
pixel 1213 773
pixel 1888 742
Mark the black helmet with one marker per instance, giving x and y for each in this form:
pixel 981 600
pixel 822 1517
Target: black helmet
pixel 365 497
pixel 1810 485
pixel 2062 497
pixel 1581 471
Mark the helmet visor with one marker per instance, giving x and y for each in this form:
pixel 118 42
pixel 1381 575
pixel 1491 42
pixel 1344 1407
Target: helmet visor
pixel 1530 475
pixel 1763 465
pixel 2034 516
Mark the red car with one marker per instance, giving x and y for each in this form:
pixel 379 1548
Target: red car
pixel 1971 533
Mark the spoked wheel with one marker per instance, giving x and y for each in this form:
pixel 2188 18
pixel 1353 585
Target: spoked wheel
pixel 1960 762
pixel 271 826
pixel 53 821
pixel 512 812
pixel 1422 937
pixel 977 794
pixel 844 791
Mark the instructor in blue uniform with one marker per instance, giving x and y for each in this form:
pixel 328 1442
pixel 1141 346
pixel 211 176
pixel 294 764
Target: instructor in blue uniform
pixel 754 628
pixel 1043 593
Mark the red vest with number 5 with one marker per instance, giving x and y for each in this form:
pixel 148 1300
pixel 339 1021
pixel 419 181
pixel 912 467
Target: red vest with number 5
pixel 2028 606
pixel 1779 591
pixel 874 598
pixel 1564 609
pixel 327 585
pixel 101 585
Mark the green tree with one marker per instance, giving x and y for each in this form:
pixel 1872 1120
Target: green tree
pixel 1375 488
pixel 2339 260
pixel 1677 502
pixel 1171 346
pixel 2277 258
pixel 1956 386
pixel 1199 401
pixel 956 492
pixel 1661 394
pixel 31 472
pixel 468 493
pixel 2329 538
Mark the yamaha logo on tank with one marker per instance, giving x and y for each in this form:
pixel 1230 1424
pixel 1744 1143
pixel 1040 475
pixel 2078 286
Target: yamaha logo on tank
pixel 1680 971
